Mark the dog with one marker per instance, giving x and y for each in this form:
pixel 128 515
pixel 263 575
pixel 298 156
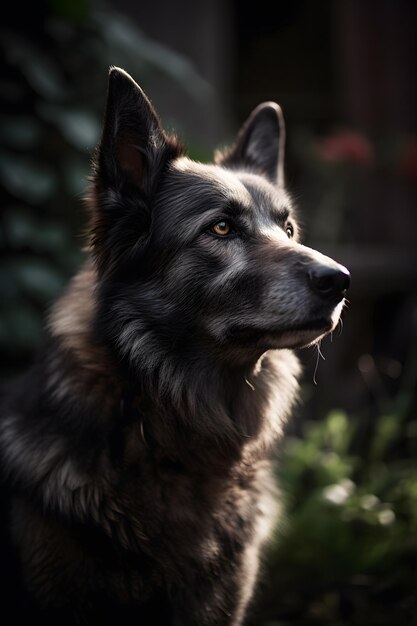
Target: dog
pixel 136 453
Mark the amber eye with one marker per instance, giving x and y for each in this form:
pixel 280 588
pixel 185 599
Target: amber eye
pixel 221 229
pixel 290 231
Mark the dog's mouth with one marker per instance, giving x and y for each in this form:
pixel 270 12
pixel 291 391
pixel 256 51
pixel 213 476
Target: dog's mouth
pixel 292 337
pixel 299 335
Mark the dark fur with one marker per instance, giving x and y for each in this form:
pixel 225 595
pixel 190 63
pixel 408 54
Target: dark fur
pixel 136 451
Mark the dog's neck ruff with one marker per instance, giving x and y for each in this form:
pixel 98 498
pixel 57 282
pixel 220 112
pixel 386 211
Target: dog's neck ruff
pixel 174 401
pixel 131 413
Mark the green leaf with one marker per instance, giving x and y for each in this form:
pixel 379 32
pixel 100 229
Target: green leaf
pixel 41 71
pixel 122 37
pixel 50 237
pixel 20 327
pixel 8 286
pixel 26 178
pixel 69 10
pixel 20 132
pixel 39 279
pixel 76 171
pixel 80 127
pixel 387 428
pixel 19 225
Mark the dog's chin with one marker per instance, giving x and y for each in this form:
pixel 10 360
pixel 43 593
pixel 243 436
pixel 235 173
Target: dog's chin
pixel 300 335
pixel 297 338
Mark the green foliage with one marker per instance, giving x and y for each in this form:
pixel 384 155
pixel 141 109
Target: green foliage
pixel 346 550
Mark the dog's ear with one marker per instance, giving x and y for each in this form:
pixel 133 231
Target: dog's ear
pixel 260 144
pixel 129 162
pixel 133 144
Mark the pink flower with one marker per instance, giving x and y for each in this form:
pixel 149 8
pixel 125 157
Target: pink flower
pixel 347 147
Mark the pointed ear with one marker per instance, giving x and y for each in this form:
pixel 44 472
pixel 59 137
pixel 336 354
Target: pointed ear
pixel 133 143
pixel 260 144
pixel 129 162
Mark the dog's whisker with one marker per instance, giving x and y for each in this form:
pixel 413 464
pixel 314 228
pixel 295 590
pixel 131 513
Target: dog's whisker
pixel 319 354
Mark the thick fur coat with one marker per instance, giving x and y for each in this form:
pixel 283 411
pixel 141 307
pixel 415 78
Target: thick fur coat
pixel 136 451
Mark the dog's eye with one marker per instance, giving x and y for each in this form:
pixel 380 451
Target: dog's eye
pixel 221 229
pixel 290 231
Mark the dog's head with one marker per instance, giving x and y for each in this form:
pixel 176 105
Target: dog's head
pixel 192 255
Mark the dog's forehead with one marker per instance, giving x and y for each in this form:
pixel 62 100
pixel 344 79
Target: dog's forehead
pixel 211 179
pixel 263 193
pixel 241 188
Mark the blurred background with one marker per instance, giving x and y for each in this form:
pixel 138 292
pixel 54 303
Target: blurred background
pixel 345 74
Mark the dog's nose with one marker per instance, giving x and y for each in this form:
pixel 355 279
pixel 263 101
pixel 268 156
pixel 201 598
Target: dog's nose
pixel 330 281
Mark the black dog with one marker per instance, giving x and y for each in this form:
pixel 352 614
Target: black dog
pixel 136 450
